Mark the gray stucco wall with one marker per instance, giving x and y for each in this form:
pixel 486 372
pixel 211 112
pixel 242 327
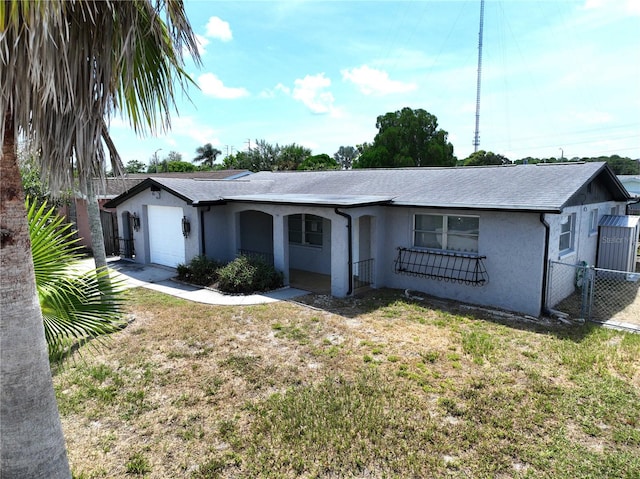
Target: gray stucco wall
pixel 513 244
pixel 563 281
pixel 138 204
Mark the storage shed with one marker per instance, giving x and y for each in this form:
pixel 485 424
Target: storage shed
pixel 618 242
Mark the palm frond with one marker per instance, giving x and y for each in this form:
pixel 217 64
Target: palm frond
pixel 53 243
pixel 81 308
pixel 76 307
pixel 66 66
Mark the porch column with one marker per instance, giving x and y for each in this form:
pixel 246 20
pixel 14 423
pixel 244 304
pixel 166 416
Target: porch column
pixel 281 245
pixel 339 257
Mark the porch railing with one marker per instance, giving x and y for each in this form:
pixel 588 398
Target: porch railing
pixel 363 273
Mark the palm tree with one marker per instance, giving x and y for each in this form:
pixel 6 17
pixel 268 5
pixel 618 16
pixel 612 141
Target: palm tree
pixel 65 68
pixel 76 305
pixel 207 154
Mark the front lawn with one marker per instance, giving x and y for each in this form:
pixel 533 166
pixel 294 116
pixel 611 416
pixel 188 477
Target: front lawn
pixel 378 386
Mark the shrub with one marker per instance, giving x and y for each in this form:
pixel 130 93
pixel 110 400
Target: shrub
pixel 248 274
pixel 200 270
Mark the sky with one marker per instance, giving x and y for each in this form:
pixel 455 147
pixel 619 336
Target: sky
pixel 559 78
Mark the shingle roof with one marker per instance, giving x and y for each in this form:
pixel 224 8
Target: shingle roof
pixel 112 187
pixel 521 187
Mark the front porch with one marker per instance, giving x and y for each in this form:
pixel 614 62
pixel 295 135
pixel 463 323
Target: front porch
pixel 313 282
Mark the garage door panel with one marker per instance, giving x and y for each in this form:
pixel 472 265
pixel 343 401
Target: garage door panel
pixel 166 243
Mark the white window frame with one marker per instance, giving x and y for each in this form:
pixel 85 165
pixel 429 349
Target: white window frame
pixel 311 227
pixel 593 222
pixel 570 232
pixel 445 232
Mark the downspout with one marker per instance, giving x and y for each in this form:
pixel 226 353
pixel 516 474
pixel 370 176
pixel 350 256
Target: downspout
pixel 203 241
pixel 350 247
pixel 626 208
pixel 545 272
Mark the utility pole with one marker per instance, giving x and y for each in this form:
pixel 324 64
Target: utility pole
pixel 249 143
pixel 476 136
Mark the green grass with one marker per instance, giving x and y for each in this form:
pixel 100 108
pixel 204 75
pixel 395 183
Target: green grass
pixel 400 391
pixel 348 424
pixel 138 464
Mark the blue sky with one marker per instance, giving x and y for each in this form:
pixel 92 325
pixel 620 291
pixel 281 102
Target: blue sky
pixel 559 78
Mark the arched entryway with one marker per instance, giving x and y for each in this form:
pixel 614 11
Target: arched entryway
pixel 255 235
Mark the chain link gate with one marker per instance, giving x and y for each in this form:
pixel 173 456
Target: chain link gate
pixel 569 290
pixel 586 292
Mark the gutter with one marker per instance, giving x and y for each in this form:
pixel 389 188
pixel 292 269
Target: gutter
pixel 637 201
pixel 350 247
pixel 545 272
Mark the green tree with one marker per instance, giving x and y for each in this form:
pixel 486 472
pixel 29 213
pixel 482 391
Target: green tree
pixel 291 156
pixel 345 156
pixel 482 158
pixel 319 162
pixel 180 166
pixel 135 166
pixel 76 306
pixel 207 155
pixel 173 156
pixel 267 157
pixel 619 165
pixel 407 138
pixel 60 85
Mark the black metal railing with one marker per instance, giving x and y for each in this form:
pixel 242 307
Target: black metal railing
pixel 266 257
pixel 126 248
pixel 442 265
pixel 363 273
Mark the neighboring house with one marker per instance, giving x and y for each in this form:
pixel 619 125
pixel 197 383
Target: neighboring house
pixel 479 235
pixel 632 184
pixel 109 188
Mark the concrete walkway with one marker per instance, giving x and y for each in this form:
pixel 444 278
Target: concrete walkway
pixel 159 278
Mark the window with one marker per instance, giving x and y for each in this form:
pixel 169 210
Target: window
pixel 447 232
pixel 567 228
pixel 593 221
pixel 305 229
pixel 614 211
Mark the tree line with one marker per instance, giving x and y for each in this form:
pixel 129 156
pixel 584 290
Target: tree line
pixel 405 138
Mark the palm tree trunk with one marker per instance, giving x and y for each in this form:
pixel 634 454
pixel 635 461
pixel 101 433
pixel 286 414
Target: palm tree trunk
pixel 31 440
pixel 95 226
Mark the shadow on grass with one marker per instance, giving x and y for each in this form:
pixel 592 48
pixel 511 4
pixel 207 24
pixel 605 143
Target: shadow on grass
pixel 373 300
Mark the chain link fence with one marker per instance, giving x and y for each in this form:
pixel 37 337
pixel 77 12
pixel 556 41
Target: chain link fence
pixel 585 292
pixel 565 291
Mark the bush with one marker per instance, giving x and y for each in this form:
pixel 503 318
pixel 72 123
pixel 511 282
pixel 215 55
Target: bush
pixel 248 274
pixel 200 270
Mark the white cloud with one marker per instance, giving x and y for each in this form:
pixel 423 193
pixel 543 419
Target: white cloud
pixel 272 93
pixel 371 81
pixel 212 86
pixel 187 126
pixel 310 91
pixel 218 28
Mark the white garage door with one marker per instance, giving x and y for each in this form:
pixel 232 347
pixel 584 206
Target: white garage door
pixel 166 243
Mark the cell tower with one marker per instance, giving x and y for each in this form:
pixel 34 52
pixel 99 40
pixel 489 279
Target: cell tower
pixel 476 136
